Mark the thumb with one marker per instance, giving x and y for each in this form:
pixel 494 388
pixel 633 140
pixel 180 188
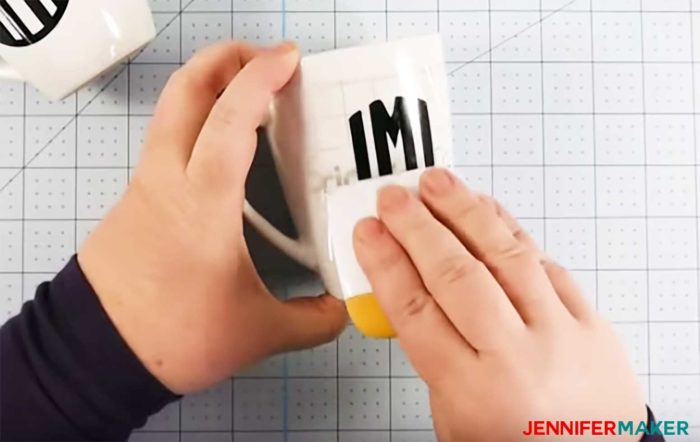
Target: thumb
pixel 308 322
pixel 224 150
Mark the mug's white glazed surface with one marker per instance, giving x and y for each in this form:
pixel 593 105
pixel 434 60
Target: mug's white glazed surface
pixel 90 37
pixel 346 117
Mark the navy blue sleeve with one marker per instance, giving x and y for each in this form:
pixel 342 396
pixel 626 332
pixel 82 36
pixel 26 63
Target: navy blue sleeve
pixel 652 437
pixel 67 374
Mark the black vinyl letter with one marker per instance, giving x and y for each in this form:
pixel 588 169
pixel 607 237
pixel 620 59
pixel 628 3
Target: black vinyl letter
pixel 49 19
pixel 426 133
pixel 40 11
pixel 359 145
pixel 10 14
pixel 5 34
pixel 384 124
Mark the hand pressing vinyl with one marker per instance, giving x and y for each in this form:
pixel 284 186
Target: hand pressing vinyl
pixel 501 335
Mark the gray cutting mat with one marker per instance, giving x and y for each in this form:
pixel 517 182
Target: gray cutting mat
pixel 581 116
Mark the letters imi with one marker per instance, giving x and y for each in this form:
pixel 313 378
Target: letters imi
pixel 387 127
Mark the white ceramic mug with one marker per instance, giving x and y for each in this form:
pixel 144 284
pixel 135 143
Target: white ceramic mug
pixel 348 117
pixel 60 45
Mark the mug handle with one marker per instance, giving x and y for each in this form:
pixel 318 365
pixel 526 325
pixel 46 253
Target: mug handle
pixel 7 73
pixel 294 248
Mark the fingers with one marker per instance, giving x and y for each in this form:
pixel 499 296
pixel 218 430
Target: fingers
pixel 568 291
pixel 188 97
pixel 460 284
pixel 565 286
pixel 307 322
pixel 426 335
pixel 477 224
pixel 515 229
pixel 226 145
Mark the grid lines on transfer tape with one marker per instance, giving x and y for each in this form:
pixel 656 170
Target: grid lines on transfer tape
pixel 494 157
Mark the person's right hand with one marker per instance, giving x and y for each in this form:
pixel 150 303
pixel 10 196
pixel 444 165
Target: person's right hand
pixel 501 335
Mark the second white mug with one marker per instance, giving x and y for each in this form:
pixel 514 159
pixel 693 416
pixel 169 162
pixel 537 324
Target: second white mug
pixel 60 45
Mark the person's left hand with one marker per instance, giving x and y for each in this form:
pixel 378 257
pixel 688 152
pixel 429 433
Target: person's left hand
pixel 169 263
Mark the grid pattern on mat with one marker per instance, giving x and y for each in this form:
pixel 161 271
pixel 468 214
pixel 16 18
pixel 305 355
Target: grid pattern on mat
pixel 580 116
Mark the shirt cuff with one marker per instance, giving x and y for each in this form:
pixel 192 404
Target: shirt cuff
pixel 651 437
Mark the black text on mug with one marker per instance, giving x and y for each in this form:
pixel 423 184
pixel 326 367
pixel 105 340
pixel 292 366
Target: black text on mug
pixel 385 127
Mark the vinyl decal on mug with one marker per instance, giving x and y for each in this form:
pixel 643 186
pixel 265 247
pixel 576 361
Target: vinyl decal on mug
pixel 25 22
pixel 385 127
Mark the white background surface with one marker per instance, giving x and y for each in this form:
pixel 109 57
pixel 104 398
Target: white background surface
pixel 585 125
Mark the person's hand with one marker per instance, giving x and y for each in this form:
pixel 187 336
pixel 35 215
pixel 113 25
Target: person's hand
pixel 501 335
pixel 169 262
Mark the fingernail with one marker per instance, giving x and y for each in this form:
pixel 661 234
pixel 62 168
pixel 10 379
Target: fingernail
pixel 287 46
pixel 370 229
pixel 438 181
pixel 393 197
pixel 545 260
